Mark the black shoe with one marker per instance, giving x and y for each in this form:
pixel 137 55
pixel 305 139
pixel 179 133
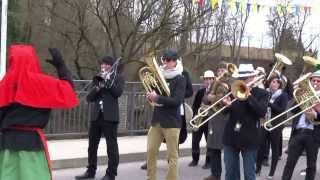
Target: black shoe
pixel 86 175
pixel 193 163
pixel 144 166
pixel 108 177
pixel 206 166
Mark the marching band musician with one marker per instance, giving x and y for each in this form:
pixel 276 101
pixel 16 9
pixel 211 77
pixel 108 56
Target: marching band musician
pixel 215 134
pixel 183 134
pixel 200 97
pixel 241 130
pixel 166 120
pixel 108 87
pixel 304 136
pixel 277 104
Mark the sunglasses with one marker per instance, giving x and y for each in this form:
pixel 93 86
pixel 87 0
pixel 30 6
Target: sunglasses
pixel 316 80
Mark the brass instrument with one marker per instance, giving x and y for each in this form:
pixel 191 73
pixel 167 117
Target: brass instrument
pixel 188 112
pixel 235 91
pixel 309 64
pixel 152 79
pixel 281 61
pixel 219 87
pixel 305 96
pixel 105 78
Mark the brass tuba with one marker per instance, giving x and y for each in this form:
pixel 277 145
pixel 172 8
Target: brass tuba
pixel 220 86
pixel 309 64
pixel 281 61
pixel 152 79
pixel 305 96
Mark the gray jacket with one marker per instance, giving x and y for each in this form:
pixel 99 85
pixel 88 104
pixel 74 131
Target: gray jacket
pixel 215 132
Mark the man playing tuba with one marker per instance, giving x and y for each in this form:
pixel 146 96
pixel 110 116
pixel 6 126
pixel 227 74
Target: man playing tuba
pixel 166 122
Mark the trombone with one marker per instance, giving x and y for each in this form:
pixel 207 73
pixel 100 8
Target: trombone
pixel 306 98
pixel 204 110
pixel 239 90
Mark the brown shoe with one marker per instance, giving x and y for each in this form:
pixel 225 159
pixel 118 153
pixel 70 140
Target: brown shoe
pixel 212 178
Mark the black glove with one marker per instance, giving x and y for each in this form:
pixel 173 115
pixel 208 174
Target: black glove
pixel 58 62
pixel 57 59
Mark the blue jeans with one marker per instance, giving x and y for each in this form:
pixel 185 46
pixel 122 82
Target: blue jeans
pixel 232 163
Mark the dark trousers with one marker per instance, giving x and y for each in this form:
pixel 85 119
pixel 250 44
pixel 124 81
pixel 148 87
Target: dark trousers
pixel 301 140
pixel 215 161
pixel 109 130
pixel 196 138
pixel 274 136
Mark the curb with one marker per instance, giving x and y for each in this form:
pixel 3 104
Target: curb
pixel 123 158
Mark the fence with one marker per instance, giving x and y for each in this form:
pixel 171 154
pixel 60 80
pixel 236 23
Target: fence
pixel 135 113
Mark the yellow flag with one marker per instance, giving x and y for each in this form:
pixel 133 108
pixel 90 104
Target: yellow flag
pixel 195 1
pixel 214 3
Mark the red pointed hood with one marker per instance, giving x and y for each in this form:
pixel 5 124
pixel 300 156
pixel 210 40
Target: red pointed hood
pixel 25 83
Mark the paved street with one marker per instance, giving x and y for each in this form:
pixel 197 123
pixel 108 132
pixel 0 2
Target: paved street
pixel 131 171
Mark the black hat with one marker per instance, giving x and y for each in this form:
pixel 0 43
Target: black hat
pixel 170 54
pixel 107 60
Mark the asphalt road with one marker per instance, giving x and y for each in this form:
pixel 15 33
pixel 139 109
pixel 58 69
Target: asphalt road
pixel 131 171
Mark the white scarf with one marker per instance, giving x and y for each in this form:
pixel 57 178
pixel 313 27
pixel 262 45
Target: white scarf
pixel 171 73
pixel 274 95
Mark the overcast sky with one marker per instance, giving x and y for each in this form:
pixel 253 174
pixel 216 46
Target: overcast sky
pixel 257 27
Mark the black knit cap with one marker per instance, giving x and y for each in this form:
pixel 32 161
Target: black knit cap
pixel 107 60
pixel 170 54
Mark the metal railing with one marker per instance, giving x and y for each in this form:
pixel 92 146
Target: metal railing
pixel 135 113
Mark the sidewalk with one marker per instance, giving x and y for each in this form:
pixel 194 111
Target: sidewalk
pixel 72 153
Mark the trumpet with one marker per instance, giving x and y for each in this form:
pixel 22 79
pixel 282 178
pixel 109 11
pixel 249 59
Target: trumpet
pixel 239 89
pixel 218 87
pixel 306 98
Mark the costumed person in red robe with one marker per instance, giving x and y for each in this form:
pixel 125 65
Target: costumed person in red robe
pixel 26 99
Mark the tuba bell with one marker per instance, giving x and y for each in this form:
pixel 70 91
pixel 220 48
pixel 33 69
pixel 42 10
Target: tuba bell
pixel 277 67
pixel 152 79
pixel 309 64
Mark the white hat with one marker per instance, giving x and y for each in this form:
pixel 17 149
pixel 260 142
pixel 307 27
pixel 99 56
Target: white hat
pixel 261 70
pixel 245 70
pixel 208 74
pixel 316 74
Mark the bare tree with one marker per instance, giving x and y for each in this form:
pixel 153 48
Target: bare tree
pixel 235 28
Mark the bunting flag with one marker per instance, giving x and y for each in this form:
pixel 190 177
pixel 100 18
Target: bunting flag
pixel 214 3
pixel 281 7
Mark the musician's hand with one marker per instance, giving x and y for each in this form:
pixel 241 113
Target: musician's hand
pixel 311 114
pixel 152 96
pixel 317 108
pixel 226 101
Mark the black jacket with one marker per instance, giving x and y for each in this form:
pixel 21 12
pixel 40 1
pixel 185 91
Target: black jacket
pixel 17 114
pixel 189 89
pixel 189 92
pixel 247 113
pixel 168 115
pixel 278 106
pixel 109 97
pixel 198 100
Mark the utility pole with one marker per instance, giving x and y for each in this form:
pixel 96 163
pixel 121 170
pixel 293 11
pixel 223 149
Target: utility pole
pixel 3 48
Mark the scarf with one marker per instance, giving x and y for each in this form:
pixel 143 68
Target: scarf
pixel 171 73
pixel 274 95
